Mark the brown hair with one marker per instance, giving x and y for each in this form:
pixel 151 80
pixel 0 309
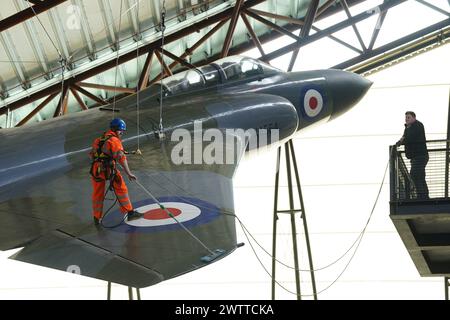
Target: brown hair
pixel 411 113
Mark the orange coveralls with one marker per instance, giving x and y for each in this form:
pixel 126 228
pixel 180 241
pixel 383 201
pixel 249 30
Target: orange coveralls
pixel 114 149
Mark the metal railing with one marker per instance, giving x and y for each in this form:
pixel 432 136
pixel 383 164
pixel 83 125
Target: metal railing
pixel 437 171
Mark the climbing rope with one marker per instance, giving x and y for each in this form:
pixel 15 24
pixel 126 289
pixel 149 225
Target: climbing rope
pixel 45 30
pixel 358 240
pixel 117 58
pixel 63 61
pixel 63 69
pixel 247 232
pixel 138 151
pixel 173 217
pixel 163 27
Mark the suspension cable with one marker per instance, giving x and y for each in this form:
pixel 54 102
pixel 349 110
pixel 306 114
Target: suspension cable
pixel 45 30
pixel 163 27
pixel 245 230
pixel 62 60
pixel 138 89
pixel 229 213
pixel 348 263
pixel 173 217
pixel 63 68
pixel 117 57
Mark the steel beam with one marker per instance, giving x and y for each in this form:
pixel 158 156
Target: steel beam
pixel 189 51
pixel 62 104
pixel 345 44
pixel 79 99
pixel 153 45
pixel 253 34
pixel 304 32
pixel 277 17
pixel 272 35
pixel 377 29
pixel 90 95
pixel 431 6
pixel 28 13
pixel 105 87
pixel 178 59
pixel 143 80
pixel 37 109
pixel 325 6
pixel 127 56
pixel 385 58
pixel 65 103
pixel 330 30
pixel 162 62
pixel 231 27
pixel 355 29
pixel 272 25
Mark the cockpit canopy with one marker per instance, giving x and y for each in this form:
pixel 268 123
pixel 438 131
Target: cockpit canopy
pixel 221 71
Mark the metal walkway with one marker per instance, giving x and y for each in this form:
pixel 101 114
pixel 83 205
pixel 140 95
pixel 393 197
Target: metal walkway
pixel 423 223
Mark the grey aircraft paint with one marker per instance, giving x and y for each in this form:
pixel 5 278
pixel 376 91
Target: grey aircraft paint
pixel 45 190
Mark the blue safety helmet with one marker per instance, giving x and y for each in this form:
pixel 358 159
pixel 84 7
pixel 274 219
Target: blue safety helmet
pixel 118 124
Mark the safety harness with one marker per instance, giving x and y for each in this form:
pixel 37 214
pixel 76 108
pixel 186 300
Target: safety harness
pixel 108 164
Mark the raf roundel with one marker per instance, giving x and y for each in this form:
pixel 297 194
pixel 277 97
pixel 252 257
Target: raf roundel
pixel 188 211
pixel 155 216
pixel 312 102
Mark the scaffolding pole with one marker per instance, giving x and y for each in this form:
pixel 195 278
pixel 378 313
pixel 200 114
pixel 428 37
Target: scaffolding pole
pixel 290 156
pixel 447 160
pixel 447 285
pixel 130 292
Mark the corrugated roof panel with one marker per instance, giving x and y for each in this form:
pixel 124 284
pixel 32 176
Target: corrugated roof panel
pixel 66 17
pixel 8 8
pixel 6 68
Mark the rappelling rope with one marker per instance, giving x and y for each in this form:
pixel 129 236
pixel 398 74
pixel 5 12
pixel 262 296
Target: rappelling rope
pixel 359 240
pixel 45 30
pixel 117 57
pixel 138 151
pixel 116 200
pixel 230 213
pixel 173 217
pixel 163 27
pixel 62 60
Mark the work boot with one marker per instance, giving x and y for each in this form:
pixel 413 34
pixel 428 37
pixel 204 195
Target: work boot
pixel 96 221
pixel 133 215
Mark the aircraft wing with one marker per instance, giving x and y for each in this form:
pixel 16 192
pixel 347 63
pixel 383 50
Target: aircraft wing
pixel 55 209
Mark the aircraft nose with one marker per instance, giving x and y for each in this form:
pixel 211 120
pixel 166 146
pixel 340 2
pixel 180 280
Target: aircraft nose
pixel 347 89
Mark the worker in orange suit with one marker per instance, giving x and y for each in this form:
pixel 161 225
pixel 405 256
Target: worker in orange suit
pixel 106 151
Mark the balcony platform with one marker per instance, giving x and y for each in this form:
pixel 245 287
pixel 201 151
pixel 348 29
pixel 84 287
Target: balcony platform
pixel 424 228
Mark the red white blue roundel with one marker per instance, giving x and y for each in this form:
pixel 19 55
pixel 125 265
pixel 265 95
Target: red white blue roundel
pixel 311 101
pixel 155 216
pixel 188 211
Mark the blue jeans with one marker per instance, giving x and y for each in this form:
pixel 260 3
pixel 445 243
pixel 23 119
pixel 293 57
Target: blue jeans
pixel 418 176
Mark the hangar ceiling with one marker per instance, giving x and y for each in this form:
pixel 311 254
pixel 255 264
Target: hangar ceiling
pixel 62 56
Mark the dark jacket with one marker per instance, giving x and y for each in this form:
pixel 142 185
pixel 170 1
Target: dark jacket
pixel 415 141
